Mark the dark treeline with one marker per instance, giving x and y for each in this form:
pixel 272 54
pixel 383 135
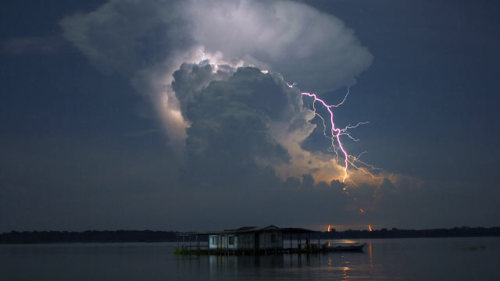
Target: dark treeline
pixel 411 233
pixel 93 236
pixel 87 236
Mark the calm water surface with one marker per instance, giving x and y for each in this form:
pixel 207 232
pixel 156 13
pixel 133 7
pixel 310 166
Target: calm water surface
pixel 383 259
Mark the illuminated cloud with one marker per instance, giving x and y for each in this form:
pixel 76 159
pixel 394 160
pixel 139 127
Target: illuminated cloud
pixel 242 119
pixel 306 46
pixel 149 40
pixel 216 72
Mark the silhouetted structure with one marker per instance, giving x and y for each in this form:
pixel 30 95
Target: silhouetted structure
pixel 252 240
pixel 249 238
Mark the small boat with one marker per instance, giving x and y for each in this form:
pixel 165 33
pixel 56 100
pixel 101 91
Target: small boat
pixel 354 247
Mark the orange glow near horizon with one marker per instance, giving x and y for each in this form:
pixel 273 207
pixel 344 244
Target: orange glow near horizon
pixel 370 228
pixel 370 254
pixel 329 228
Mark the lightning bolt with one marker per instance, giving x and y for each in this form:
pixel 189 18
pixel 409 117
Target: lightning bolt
pixel 335 132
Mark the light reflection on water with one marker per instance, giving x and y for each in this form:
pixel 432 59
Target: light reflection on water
pixel 383 259
pixel 281 267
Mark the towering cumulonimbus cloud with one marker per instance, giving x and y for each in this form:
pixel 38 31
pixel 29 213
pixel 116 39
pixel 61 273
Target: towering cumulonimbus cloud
pixel 148 40
pixel 306 46
pixel 185 56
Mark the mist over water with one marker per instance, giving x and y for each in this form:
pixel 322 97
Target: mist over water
pixel 383 259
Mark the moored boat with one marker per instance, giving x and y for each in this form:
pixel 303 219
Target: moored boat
pixel 351 247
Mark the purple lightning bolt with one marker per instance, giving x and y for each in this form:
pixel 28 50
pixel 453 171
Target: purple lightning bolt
pixel 335 132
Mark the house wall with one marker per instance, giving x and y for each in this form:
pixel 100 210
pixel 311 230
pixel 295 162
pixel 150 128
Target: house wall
pixel 246 241
pixel 222 241
pixel 270 240
pixel 232 242
pixel 213 241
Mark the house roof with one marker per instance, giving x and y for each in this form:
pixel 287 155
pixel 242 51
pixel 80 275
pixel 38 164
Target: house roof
pixel 249 229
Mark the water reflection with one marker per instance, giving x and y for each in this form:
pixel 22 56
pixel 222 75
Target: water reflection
pixel 346 273
pixel 272 261
pixel 335 266
pixel 332 266
pixel 383 259
pixel 370 253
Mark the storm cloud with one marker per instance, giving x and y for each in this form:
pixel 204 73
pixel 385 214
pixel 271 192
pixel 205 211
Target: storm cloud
pixel 178 115
pixel 217 73
pixel 148 40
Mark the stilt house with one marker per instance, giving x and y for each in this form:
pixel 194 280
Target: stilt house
pixel 248 238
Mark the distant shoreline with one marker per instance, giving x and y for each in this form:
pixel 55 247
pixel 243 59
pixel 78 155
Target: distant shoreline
pixel 122 236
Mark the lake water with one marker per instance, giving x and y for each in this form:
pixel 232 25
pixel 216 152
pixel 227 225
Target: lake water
pixel 383 259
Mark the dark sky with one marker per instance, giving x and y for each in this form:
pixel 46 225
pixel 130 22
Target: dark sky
pixel 84 144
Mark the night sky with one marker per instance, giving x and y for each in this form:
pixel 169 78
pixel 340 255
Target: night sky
pixel 176 115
